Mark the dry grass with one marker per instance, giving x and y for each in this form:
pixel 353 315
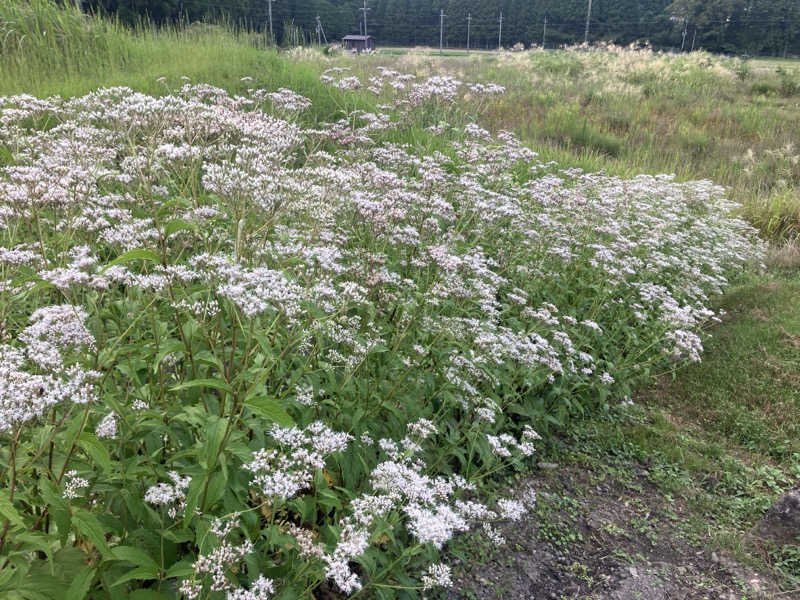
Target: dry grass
pixel 784 256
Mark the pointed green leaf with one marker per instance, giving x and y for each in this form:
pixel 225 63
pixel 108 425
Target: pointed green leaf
pixel 136 254
pixel 137 573
pixel 8 511
pixel 178 225
pixel 212 383
pixel 269 408
pixel 215 434
pixel 134 555
pixel 94 448
pixel 88 525
pixel 165 349
pixel 180 569
pixel 81 582
pixel 192 497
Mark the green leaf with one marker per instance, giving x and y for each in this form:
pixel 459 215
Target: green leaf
pixel 88 525
pixel 8 511
pixel 28 541
pixel 269 408
pixel 180 569
pixel 167 348
pixel 212 383
pixel 81 582
pixel 145 594
pixel 56 507
pixel 216 489
pixel 137 573
pixel 94 448
pixel 215 434
pixel 39 285
pixel 135 254
pixel 178 225
pixel 136 556
pixel 192 497
pixel 6 575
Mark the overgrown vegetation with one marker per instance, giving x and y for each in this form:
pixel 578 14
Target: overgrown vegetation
pixel 254 345
pixel 627 112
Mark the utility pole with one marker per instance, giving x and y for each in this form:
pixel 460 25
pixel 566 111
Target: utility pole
pixel 271 35
pixel 500 34
pixel 588 17
pixel 685 31
pixel 469 21
pixel 441 29
pixel 364 10
pixel 544 32
pixel 320 32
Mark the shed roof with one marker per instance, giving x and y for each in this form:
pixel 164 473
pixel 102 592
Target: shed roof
pixel 359 38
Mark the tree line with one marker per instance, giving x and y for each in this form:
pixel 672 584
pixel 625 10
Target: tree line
pixel 753 27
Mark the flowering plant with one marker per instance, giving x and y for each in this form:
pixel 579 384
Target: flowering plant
pixel 237 365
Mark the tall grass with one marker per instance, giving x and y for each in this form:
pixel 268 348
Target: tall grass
pixel 696 115
pixel 39 35
pixel 51 49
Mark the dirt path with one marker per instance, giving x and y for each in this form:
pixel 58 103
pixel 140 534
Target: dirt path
pixel 596 537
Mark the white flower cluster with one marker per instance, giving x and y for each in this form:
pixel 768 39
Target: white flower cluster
pixel 221 562
pixel 437 575
pixel 171 495
pixel 25 391
pixel 288 101
pixel 261 589
pixel 54 329
pixel 283 472
pixel 467 253
pixel 73 483
pixel 503 444
pixel 107 427
pixel 217 564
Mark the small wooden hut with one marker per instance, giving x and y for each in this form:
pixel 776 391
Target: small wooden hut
pixel 358 43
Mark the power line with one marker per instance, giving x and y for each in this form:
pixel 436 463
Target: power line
pixel 320 32
pixel 544 32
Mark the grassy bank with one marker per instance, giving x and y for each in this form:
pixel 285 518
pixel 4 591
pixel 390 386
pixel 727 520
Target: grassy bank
pixel 49 50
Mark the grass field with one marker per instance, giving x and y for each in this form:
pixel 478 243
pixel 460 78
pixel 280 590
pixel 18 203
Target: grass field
pixel 268 323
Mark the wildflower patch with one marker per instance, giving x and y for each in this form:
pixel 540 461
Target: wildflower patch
pixel 271 358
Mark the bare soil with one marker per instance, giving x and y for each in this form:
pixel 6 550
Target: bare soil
pixel 597 537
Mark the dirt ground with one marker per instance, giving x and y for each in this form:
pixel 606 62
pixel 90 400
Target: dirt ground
pixel 604 539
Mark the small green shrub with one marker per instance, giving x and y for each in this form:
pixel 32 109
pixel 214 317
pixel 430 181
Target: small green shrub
pixel 789 81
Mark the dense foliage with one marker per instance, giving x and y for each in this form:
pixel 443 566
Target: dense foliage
pixel 734 26
pixel 248 354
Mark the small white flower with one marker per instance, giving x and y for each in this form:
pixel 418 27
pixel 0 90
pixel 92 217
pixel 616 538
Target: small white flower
pixel 73 483
pixel 107 428
pixel 438 575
